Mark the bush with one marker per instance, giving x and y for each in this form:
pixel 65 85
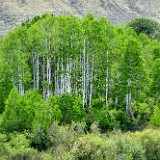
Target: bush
pixel 62 138
pixel 108 119
pixel 71 108
pixel 122 120
pixel 128 148
pixel 20 111
pixel 114 147
pixel 39 140
pixel 105 118
pixel 142 112
pixel 17 146
pixel 91 147
pixel 150 140
pixel 155 118
pixel 10 118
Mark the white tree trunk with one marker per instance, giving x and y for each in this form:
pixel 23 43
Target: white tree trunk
pixel 55 82
pixel 107 82
pixel 76 77
pixel 129 100
pixel 48 75
pixel 37 71
pixel 62 78
pixel 33 70
pixel 57 79
pixel 55 76
pixel 91 83
pixel 68 76
pixel 48 69
pixel 20 85
pixel 87 78
pixel 116 101
pixel 84 74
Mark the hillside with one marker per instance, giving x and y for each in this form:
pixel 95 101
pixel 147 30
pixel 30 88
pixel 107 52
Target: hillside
pixel 13 12
pixel 75 88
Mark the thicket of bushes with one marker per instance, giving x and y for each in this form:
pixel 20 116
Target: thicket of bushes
pixel 70 142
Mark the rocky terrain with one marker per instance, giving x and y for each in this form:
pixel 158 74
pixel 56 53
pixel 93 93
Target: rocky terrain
pixel 13 12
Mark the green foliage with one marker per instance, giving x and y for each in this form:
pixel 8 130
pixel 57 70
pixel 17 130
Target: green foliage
pixel 147 26
pixel 115 147
pixel 150 140
pixel 60 135
pixel 105 119
pixel 122 120
pixel 39 139
pixel 17 146
pixel 18 108
pixel 142 112
pixel 78 112
pixel 71 108
pixel 156 76
pixel 53 103
pixel 72 76
pixel 108 119
pixel 155 118
pixel 30 104
pixel 128 148
pixel 10 120
pixel 5 83
pixel 82 63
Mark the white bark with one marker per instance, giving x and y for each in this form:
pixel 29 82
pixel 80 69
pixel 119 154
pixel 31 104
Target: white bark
pixel 84 74
pixel 129 100
pixel 91 83
pixel 62 78
pixel 68 76
pixel 33 70
pixel 76 77
pixel 20 85
pixel 55 82
pixel 87 78
pixel 48 75
pixel 56 90
pixel 116 101
pixel 48 68
pixel 37 71
pixel 107 82
pixel 57 79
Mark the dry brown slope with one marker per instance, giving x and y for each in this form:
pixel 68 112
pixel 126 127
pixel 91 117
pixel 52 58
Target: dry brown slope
pixel 12 12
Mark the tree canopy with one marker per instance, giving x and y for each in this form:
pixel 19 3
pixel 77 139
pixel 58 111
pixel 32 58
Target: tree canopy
pixel 65 75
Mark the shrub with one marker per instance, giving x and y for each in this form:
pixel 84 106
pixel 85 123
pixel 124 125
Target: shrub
pixel 155 118
pixel 17 146
pixel 142 112
pixel 150 140
pixel 128 148
pixel 39 139
pixel 90 147
pixel 10 118
pixel 114 147
pixel 61 138
pixel 18 108
pixel 71 108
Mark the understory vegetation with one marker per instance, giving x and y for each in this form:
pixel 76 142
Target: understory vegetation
pixel 80 89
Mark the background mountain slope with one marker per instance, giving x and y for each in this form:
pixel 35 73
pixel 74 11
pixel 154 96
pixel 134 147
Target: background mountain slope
pixel 12 12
